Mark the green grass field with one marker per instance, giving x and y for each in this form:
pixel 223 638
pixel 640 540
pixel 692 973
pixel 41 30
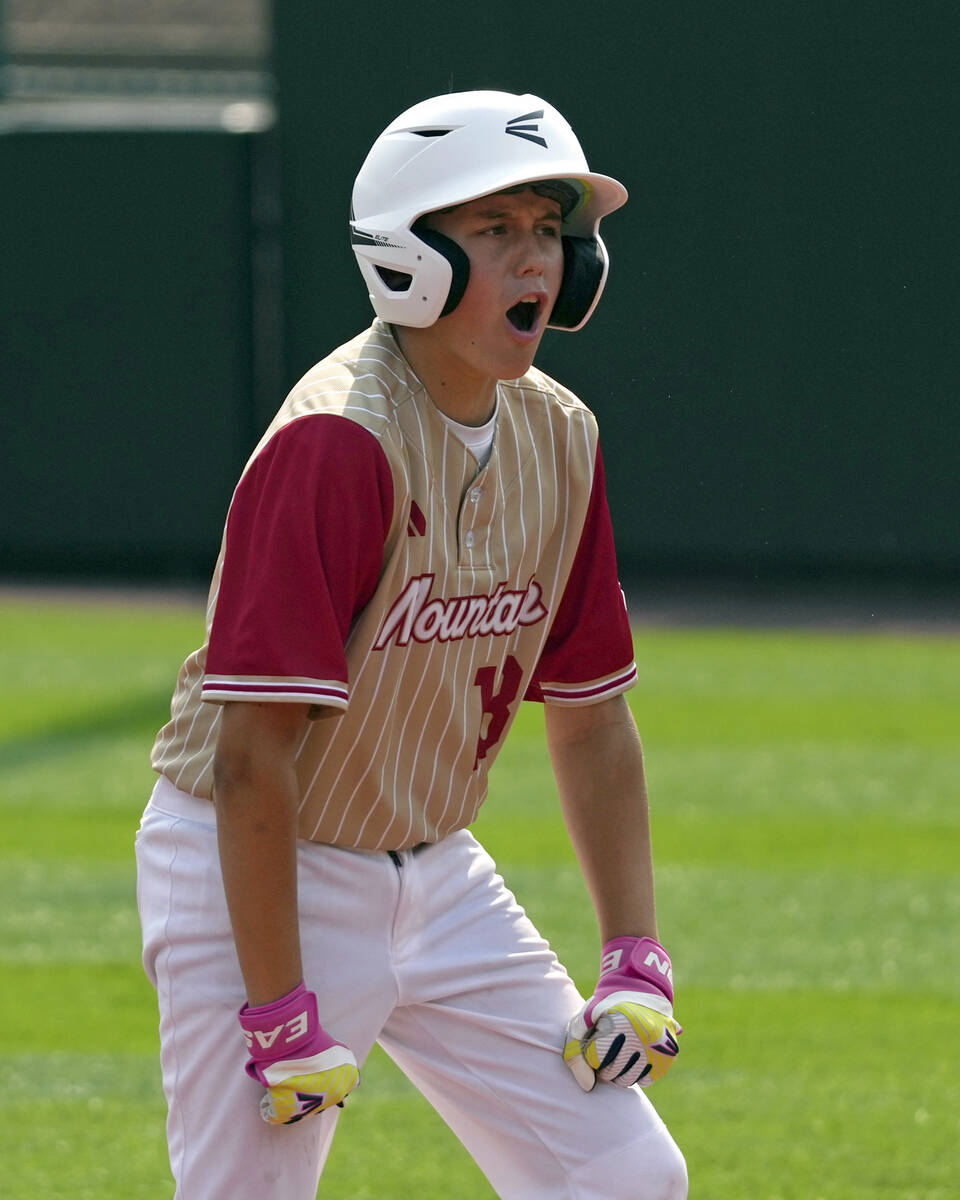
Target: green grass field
pixel 807 837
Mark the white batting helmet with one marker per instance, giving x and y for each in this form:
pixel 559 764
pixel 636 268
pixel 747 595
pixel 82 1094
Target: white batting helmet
pixel 451 149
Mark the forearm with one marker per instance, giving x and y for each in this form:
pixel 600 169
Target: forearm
pixel 598 763
pixel 257 843
pixel 256 797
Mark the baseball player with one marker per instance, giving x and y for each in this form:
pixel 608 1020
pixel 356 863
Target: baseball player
pixel 419 542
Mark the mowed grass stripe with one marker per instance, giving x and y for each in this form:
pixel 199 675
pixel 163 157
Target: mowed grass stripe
pixel 93 1007
pixel 791 842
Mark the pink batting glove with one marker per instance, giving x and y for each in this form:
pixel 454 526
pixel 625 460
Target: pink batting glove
pixel 303 1069
pixel 640 966
pixel 626 1032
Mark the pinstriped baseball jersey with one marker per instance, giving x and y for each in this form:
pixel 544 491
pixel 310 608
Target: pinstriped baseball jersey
pixel 371 568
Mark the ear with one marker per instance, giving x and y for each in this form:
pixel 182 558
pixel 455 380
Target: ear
pixel 456 256
pixel 584 267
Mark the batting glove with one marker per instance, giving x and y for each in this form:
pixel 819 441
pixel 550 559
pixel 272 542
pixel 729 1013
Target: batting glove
pixel 303 1069
pixel 626 1032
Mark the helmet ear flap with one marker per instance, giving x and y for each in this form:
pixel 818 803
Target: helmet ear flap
pixel 456 256
pixel 584 274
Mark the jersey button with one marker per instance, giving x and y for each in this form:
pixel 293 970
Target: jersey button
pixel 476 494
pixel 469 538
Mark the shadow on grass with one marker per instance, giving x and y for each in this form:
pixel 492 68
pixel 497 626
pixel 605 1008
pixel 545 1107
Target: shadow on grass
pixel 141 713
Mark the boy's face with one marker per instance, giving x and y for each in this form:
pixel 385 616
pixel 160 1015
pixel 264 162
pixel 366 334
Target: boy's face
pixel 516 264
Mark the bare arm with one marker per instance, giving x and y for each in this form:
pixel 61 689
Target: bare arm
pixel 598 763
pixel 256 797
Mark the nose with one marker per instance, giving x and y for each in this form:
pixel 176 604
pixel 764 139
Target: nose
pixel 530 257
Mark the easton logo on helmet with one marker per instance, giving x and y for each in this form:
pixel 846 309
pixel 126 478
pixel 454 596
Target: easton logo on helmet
pixel 530 133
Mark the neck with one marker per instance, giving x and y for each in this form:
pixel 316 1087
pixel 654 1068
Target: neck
pixel 465 395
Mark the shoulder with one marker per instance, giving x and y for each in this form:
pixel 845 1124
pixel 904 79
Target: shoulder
pixel 559 400
pixel 347 400
pixel 538 399
pixel 365 380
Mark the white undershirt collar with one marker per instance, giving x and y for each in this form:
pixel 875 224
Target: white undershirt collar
pixel 478 439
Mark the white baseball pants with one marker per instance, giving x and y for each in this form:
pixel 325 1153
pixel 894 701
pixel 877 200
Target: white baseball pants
pixel 426 953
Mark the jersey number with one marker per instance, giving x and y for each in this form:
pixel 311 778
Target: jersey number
pixel 496 705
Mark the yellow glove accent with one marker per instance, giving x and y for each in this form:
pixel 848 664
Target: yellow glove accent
pixel 296 1096
pixel 630 1044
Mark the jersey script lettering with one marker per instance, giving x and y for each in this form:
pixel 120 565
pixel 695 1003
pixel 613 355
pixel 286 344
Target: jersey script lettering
pixel 414 615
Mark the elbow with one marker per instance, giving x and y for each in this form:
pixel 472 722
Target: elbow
pixel 228 768
pixel 246 766
pixel 254 758
pixel 256 792
pixel 234 772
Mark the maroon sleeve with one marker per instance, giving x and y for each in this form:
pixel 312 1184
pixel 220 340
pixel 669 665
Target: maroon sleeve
pixel 302 556
pixel 588 654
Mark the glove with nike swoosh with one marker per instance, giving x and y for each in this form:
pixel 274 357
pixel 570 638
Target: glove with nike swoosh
pixel 303 1069
pixel 626 1032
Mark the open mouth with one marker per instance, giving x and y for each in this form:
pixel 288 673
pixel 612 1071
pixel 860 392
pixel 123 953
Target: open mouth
pixel 524 314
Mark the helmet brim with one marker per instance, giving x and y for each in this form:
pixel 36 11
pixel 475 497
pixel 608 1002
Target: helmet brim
pixel 598 196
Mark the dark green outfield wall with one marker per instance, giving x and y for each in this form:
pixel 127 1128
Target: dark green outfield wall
pixel 774 364
pixel 126 373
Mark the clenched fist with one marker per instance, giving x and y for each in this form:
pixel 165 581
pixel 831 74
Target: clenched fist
pixel 303 1069
pixel 626 1032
